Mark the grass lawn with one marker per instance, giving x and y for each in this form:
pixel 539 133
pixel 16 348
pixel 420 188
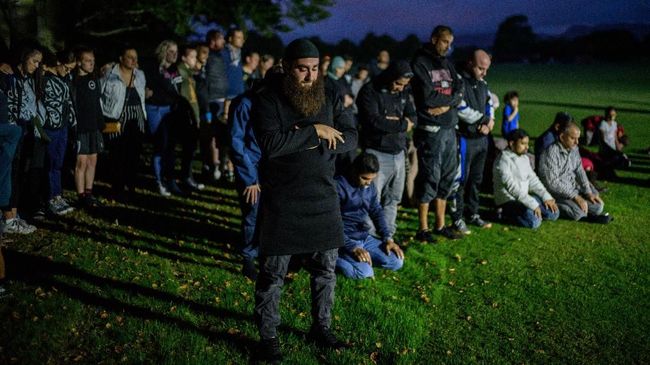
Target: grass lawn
pixel 157 281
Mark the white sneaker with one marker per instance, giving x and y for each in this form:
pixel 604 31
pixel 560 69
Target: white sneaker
pixel 163 190
pixel 65 207
pixel 216 174
pixel 461 227
pixel 18 226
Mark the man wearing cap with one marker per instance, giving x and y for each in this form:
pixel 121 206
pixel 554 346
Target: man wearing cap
pixel 386 114
pixel 437 90
pixel 300 127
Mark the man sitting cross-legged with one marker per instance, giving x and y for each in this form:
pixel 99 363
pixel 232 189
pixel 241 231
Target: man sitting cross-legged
pixel 519 193
pixel 359 200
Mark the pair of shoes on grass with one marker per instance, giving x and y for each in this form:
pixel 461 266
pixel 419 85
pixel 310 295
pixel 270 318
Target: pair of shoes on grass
pixel 271 353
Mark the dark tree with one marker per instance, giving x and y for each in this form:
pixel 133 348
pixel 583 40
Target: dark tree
pixel 515 40
pixel 56 21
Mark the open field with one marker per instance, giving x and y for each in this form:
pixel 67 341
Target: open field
pixel 156 281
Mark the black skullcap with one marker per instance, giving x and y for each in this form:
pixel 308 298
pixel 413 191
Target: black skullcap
pixel 401 69
pixel 301 48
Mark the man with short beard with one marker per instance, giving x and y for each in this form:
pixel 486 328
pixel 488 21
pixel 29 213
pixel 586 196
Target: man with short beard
pixel 300 128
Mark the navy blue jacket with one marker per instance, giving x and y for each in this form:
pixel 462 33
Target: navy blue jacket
pixel 357 204
pixel 234 74
pixel 245 151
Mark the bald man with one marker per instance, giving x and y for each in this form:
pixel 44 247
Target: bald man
pixel 476 120
pixel 560 170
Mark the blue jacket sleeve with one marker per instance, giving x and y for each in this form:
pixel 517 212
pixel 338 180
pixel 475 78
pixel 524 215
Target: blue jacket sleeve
pixel 240 132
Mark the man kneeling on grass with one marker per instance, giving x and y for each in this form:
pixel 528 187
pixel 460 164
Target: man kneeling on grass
pixel 517 190
pixel 359 202
pixel 560 170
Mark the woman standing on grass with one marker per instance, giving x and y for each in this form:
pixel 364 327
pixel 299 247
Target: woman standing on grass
pixel 123 93
pixel 21 99
pixel 90 123
pixel 58 114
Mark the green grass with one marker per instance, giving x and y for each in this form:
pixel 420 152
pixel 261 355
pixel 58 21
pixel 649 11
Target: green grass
pixel 157 281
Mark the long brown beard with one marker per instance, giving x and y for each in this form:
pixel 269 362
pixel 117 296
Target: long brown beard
pixel 307 101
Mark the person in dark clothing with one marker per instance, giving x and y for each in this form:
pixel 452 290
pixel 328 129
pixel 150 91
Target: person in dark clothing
pixel 22 105
pixel 214 135
pixel 360 203
pixel 162 105
pixel 386 114
pixel 476 116
pixel 58 114
pixel 300 127
pixel 437 90
pixel 90 123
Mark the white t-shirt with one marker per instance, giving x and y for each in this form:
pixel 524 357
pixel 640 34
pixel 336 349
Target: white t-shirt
pixel 608 133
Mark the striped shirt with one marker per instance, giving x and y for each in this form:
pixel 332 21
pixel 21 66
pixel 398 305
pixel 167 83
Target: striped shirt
pixel 560 170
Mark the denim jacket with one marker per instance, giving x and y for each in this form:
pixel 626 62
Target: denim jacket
pixel 114 92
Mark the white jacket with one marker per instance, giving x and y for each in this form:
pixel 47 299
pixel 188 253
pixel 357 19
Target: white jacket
pixel 114 92
pixel 514 179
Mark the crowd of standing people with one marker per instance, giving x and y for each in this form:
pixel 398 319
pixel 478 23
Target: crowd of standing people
pixel 322 153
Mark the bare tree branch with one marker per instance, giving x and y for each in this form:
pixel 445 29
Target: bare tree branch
pixel 117 31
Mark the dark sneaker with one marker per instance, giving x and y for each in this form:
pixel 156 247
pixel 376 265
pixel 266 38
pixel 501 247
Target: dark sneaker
pixel 425 236
pixel 270 351
pixel 599 219
pixel 477 221
pixel 249 270
pixel 449 233
pixel 193 185
pixel 173 188
pixel 323 337
pixel 92 202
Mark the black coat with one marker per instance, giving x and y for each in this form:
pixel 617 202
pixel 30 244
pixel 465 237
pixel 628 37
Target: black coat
pixel 375 102
pixel 300 208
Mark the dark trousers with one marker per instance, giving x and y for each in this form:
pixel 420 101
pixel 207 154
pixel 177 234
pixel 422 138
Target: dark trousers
pixel 250 237
pixel 55 155
pixel 475 154
pixel 10 135
pixel 269 284
pixel 124 154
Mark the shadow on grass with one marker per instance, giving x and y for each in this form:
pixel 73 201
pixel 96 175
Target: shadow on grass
pixel 118 237
pixel 585 106
pixel 35 270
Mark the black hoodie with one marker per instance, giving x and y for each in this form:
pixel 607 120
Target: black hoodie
pixel 435 84
pixel 375 102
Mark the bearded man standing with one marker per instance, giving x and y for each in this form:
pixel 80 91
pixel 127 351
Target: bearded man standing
pixel 300 128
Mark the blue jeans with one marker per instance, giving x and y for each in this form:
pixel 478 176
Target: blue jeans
pixel 9 136
pixel 157 117
pixel 250 237
pixel 351 268
pixel 516 213
pixel 390 184
pixel 56 154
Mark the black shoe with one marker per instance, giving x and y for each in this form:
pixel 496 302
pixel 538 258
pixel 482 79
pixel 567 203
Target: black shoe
pixel 270 351
pixel 324 338
pixel 192 185
pixel 449 233
pixel 249 270
pixel 425 236
pixel 89 201
pixel 599 219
